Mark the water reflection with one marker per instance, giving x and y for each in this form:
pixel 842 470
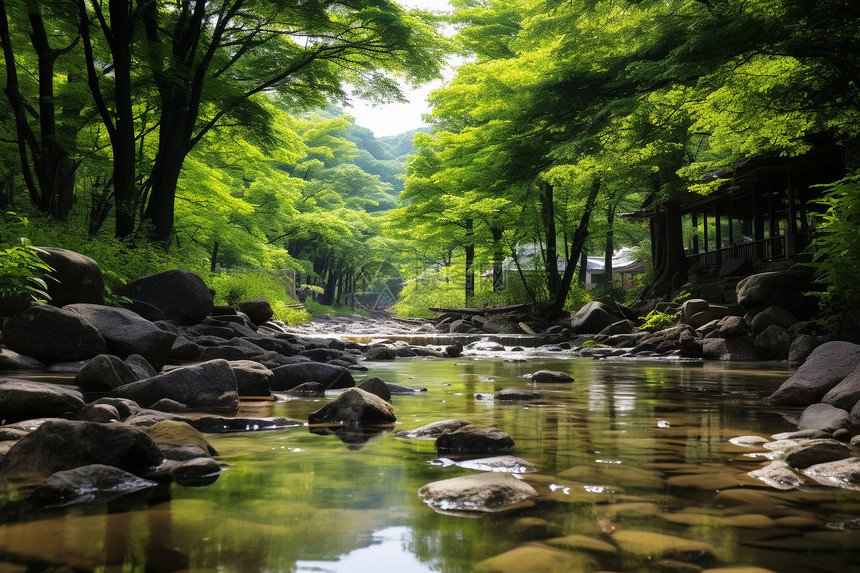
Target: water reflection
pixel 629 446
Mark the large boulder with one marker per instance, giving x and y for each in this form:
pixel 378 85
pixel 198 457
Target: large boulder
pixel 291 375
pixel 52 335
pixel 59 445
pixel 823 417
pixel 79 278
pixel 772 315
pixel 104 373
pixel 845 394
pixel 208 386
pixel 786 289
pixel 773 342
pixel 252 378
pixel 800 349
pixel 593 317
pixel 127 333
pixel 354 407
pixel 826 367
pixel 95 483
pixel 259 310
pixel 25 400
pixel 181 295
pixel 11 360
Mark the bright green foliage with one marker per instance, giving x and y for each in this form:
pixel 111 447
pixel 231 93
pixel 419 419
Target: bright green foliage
pixel 838 249
pixel 656 320
pixel 23 273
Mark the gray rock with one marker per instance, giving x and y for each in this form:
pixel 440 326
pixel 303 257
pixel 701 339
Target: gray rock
pixel 140 367
pixel 800 349
pixel 474 440
pixel 692 307
pixel 380 353
pixel 195 469
pixel 208 386
pixel 103 413
pixel 124 408
pixel 517 395
pixel 184 349
pixel 734 348
pixel 772 315
pixel 454 350
pixel 732 326
pixel 52 335
pixel 308 389
pixel 11 360
pixel 252 378
pixel 104 373
pixel 826 367
pixel 46 450
pixel 181 295
pixel 230 352
pixel 259 310
pixel 94 483
pixel 79 278
pixel 855 415
pixel 843 473
pixel 127 333
pixel 620 327
pixel 509 464
pixel 145 418
pixel 773 342
pixel 778 474
pixel 376 386
pixel 23 400
pixel 354 407
pixel 484 492
pixel 170 406
pixel 291 375
pixel 786 289
pixel 845 394
pixel 593 317
pixel 398 390
pixel 433 430
pixel 811 452
pixel 823 417
pixel 551 377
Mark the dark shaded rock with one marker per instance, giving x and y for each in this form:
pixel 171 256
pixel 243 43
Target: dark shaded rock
pixel 140 367
pixel 732 326
pixel 823 417
pixel 551 377
pixel 483 492
pixel 308 389
pixel 517 395
pixel 786 289
pixel 376 386
pixel 223 310
pixel 620 327
pixel 144 418
pixel 734 348
pixel 223 425
pixel 64 444
pixel 692 307
pixel 398 390
pixel 208 386
pixel 433 430
pixel 11 360
pixel 176 433
pixel 22 400
pixel 144 310
pixel 181 453
pixel 79 278
pixel 127 333
pixel 291 375
pixel 773 342
pixel 102 413
pixel 354 407
pixel 474 440
pixel 170 406
pixel 275 345
pixel 184 349
pixel 124 408
pixel 800 349
pixel 52 335
pixel 104 373
pixel 259 310
pixel 195 468
pixel 811 452
pixel 230 352
pixel 94 483
pixel 454 350
pixel 691 345
pixel 380 353
pixel 845 394
pixel 770 316
pixel 252 378
pixel 181 295
pixel 592 318
pixel 826 367
pixel 534 528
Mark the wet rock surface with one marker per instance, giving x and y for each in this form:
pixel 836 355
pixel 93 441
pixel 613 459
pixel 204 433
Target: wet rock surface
pixel 484 492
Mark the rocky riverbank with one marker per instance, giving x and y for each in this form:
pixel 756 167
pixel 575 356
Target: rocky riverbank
pixel 151 379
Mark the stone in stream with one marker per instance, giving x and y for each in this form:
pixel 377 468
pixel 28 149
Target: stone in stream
pixel 175 439
pixel 484 492
pixel 308 389
pixel 541 558
pixel 23 400
pixel 223 425
pixel 52 335
pixel 208 386
pixel 433 430
pixel 843 473
pixel 811 452
pixel 517 395
pixel 648 546
pixel 354 407
pixel 170 406
pixel 252 378
pixel 800 349
pixel 181 295
pixel 377 386
pixel 123 406
pixel 509 464
pixel 291 375
pixel 259 310
pixel 778 474
pixel 845 394
pixel 126 332
pixel 826 367
pixel 593 317
pixel 59 445
pixel 96 483
pixel 823 417
pixel 380 353
pixel 98 413
pixel 104 373
pixel 551 377
pixel 11 360
pixel 474 440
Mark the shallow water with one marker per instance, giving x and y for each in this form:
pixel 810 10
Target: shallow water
pixel 631 445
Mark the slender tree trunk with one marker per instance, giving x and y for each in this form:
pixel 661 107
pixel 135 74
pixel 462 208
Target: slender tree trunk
pixel 498 259
pixel 579 237
pixel 547 203
pixel 469 248
pixel 610 247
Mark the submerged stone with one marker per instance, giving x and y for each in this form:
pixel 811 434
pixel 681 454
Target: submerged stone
pixel 484 492
pixel 87 484
pixel 646 545
pixel 551 377
pixel 529 558
pixel 509 464
pixel 778 474
pixel 843 473
pixel 433 430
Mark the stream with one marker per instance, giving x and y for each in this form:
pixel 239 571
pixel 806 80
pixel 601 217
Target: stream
pixel 639 445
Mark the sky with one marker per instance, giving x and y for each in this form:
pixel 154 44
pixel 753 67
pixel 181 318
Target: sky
pixel 395 118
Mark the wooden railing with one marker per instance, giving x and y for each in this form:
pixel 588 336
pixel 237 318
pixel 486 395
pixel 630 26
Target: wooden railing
pixel 772 249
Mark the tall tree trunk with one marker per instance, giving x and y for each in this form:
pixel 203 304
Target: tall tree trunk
pixel 498 259
pixel 610 246
pixel 469 248
pixel 577 243
pixel 547 205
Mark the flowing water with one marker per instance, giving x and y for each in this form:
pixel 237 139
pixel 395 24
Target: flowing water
pixel 631 445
